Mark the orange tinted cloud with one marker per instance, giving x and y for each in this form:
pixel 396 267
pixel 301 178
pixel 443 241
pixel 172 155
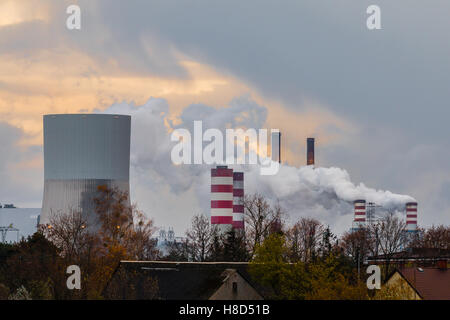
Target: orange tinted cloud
pixel 14 12
pixel 64 80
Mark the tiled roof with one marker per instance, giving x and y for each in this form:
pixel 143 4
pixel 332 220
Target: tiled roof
pixel 430 283
pixel 415 254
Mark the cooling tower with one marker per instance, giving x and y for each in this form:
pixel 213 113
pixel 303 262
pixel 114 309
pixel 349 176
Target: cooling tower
pixel 238 201
pixel 310 151
pixel 411 216
pixel 82 152
pixel 359 220
pixel 222 198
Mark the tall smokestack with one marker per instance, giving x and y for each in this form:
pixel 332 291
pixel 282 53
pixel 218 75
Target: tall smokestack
pixel 238 201
pixel 310 151
pixel 276 145
pixel 359 220
pixel 222 198
pixel 411 216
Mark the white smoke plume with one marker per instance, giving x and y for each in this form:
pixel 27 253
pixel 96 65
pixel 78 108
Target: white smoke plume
pixel 334 182
pixel 173 194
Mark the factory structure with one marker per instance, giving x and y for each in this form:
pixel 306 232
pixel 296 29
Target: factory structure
pixel 82 152
pixel 166 239
pixel 17 223
pixel 227 192
pixel 227 196
pixel 366 214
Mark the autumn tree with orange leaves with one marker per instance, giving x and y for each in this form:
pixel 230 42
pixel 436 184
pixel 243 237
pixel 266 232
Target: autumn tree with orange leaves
pixel 118 232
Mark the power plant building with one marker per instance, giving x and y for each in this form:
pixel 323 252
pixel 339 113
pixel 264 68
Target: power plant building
pixel 82 152
pixel 17 223
pixel 364 218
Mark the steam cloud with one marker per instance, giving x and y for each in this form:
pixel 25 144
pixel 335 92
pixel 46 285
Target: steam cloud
pixel 173 194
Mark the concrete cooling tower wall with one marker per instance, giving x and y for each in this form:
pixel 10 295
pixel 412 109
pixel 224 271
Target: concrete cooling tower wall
pixel 82 152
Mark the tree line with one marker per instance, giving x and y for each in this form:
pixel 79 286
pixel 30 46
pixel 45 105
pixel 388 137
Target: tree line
pixel 35 268
pixel 306 260
pixel 303 260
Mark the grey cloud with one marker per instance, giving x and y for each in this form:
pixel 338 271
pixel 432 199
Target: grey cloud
pixel 241 112
pixel 19 185
pixel 392 83
pixel 292 50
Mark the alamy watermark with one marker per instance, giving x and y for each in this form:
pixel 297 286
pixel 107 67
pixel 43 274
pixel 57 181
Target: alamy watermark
pixel 373 21
pixel 250 145
pixel 73 21
pixel 374 280
pixel 74 280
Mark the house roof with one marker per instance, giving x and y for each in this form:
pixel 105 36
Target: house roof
pixel 429 283
pixel 414 254
pixel 185 280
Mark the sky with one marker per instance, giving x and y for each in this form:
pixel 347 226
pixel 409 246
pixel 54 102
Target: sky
pixel 375 100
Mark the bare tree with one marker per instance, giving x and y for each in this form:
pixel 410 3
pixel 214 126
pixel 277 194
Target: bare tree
pixel 389 237
pixel 69 232
pixel 142 246
pixel 260 219
pixel 436 237
pixel 118 231
pixel 304 238
pixel 199 237
pixel 358 245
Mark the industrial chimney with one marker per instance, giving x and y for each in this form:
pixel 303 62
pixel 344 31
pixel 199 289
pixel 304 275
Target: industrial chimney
pixel 359 220
pixel 222 198
pixel 411 217
pixel 310 151
pixel 238 201
pixel 276 145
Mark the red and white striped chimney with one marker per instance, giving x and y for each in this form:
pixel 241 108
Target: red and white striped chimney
pixel 359 220
pixel 238 201
pixel 222 197
pixel 411 216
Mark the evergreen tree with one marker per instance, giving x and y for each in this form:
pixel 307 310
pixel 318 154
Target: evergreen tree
pixel 216 248
pixel 234 247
